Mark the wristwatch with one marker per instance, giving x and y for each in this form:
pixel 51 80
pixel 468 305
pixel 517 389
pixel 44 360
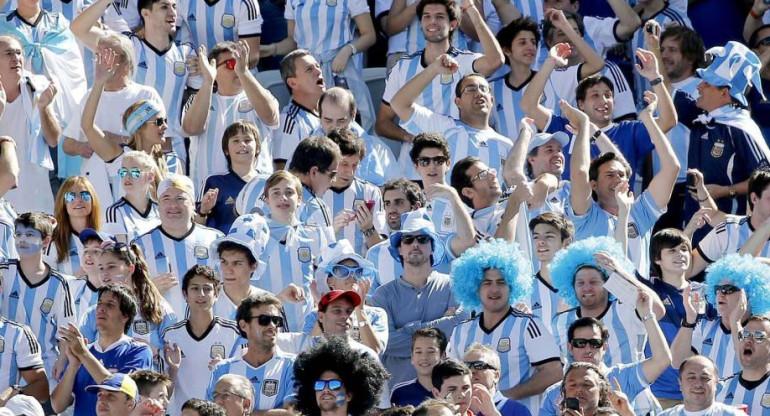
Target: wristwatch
pixel 686 324
pixel 369 232
pixel 649 316
pixel 656 81
pixel 732 191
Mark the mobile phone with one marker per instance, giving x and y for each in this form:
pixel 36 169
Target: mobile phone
pixel 691 180
pixel 572 403
pixel 369 204
pixel 340 81
pixel 651 28
pixel 639 62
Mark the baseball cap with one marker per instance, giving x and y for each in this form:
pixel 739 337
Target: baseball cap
pixel 117 382
pixel 333 295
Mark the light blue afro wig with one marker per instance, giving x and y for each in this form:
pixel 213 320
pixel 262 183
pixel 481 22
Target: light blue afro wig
pixel 568 260
pixel 745 272
pixel 468 271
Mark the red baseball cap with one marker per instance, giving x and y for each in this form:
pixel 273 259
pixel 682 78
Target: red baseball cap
pixel 333 295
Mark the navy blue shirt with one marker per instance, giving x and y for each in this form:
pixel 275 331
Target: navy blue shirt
pixel 631 138
pixel 409 393
pixel 508 407
pixel 223 215
pixel 760 109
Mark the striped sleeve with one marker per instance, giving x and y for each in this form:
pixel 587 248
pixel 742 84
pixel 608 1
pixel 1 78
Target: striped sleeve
pixel 27 349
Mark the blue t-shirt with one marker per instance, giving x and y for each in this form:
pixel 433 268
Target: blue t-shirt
pixel 409 393
pixel 222 215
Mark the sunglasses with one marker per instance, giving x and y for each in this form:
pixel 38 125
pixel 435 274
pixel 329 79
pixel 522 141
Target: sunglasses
pixel 582 342
pixel 265 320
pixel 763 42
pixel 341 271
pixel 483 174
pixel 229 63
pixel 134 172
pixel 160 121
pixel 726 289
pixel 332 174
pixel 424 162
pixel 409 239
pixel 71 195
pixel 333 385
pixel 479 365
pixel 759 336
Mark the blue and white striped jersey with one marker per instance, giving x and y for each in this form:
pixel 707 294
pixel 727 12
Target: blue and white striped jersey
pixel 122 218
pixel 208 23
pixel 273 381
pixel 164 254
pixel 441 214
pixel 7 240
pixel 225 308
pixel 313 210
pixel 544 301
pixel 734 390
pixel 166 71
pixel 438 95
pixel 508 113
pixel 728 237
pixel 388 269
pixel 349 198
pixel 297 124
pixel 291 255
pixel 222 339
pixel 69 266
pixel 716 409
pixel 206 156
pixel 644 214
pixel 628 336
pixel 251 199
pixel 44 307
pixel 488 145
pixel 323 26
pixel 712 339
pixel 84 294
pixel 521 341
pixel 19 351
pixel 564 82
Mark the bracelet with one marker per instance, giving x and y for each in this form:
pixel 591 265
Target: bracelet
pixel 649 316
pixel 203 215
pixel 704 199
pixel 686 324
pixel 656 81
pixel 7 139
pixel 595 136
pixel 754 14
pixel 353 48
pixel 732 191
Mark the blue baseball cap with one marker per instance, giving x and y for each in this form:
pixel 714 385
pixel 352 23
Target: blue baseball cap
pixel 90 233
pixel 117 382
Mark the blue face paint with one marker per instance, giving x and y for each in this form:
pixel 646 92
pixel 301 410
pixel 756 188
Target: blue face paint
pixel 28 240
pixel 340 398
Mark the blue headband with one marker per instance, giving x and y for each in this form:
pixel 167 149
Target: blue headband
pixel 140 116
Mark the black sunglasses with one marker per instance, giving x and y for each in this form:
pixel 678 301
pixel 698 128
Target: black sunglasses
pixel 426 161
pixel 726 289
pixel 409 239
pixel 480 365
pixel 265 320
pixel 582 342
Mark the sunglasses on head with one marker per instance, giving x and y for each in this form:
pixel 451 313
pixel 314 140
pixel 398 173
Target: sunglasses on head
pixel 479 365
pixel 71 195
pixel 758 336
pixel 265 320
pixel 582 342
pixel 341 271
pixel 229 63
pixel 333 385
pixel 134 172
pixel 726 289
pixel 409 239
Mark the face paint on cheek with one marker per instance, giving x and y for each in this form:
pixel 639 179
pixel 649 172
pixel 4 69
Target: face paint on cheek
pixel 340 398
pixel 28 245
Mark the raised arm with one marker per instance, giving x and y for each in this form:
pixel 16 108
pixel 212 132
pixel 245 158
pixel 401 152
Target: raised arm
pixel 681 348
pixel 628 20
pixel 530 100
pixel 197 114
pixel 9 165
pixel 662 184
pixel 625 197
pixel 283 47
pixel 513 169
pixel 265 104
pixel 465 237
pixel 48 122
pixel 85 26
pixel 366 38
pixel 493 56
pixel 660 360
pixel 403 103
pixel 649 69
pixel 754 18
pixel 506 11
pixel 593 61
pixel 580 195
pixel 104 66
pixel 400 16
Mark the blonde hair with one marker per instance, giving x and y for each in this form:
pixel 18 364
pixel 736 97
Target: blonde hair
pixel 146 161
pixel 63 231
pixel 281 175
pixel 136 141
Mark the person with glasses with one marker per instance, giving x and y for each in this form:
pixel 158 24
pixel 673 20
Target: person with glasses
pixel 204 337
pixel 112 351
pixel 136 212
pixel 239 97
pixel 356 204
pixel 699 380
pixel 124 265
pixel 334 379
pixel 488 279
pixel 750 386
pixel 730 282
pixel 34 293
pixel 419 297
pixel 178 243
pixel 269 370
pixel 315 162
pixel 347 271
pixel 428 348
pixel 589 341
pixel 77 208
pixel 235 394
pixel 484 363
pixel 471 135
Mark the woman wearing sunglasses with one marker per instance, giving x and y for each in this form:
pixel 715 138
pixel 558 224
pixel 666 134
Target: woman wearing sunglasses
pixel 241 145
pixel 76 208
pixel 124 265
pixel 293 247
pixel 345 270
pixel 136 212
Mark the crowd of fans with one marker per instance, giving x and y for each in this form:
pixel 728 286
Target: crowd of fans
pixel 559 207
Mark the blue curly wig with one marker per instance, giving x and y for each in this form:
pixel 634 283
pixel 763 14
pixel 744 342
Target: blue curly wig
pixel 568 260
pixel 745 272
pixel 468 271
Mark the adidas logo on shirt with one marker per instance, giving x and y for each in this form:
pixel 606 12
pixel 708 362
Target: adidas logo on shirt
pixel 229 201
pixel 255 379
pixel 191 18
pixel 160 255
pixel 536 305
pixel 667 302
pixel 14 295
pixel 708 341
pixel 729 396
pixel 142 65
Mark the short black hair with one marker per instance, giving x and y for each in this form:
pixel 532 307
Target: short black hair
pixel 445 369
pixel 507 34
pixel 452 10
pixel 582 88
pixel 559 221
pixel 758 182
pixel 665 238
pixel 233 246
pixel 146 380
pixel 587 322
pixel 432 333
pixel 599 161
pixel 204 408
pixel 243 313
pixel 204 271
pixel 126 302
pixel 362 376
pixel 429 140
pixel 37 221
pixel 690 44
pixel 348 141
pixel 459 86
pixel 315 151
pixel 459 178
pixel 412 191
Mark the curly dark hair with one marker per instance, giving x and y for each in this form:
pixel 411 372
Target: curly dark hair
pixel 204 408
pixel 362 376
